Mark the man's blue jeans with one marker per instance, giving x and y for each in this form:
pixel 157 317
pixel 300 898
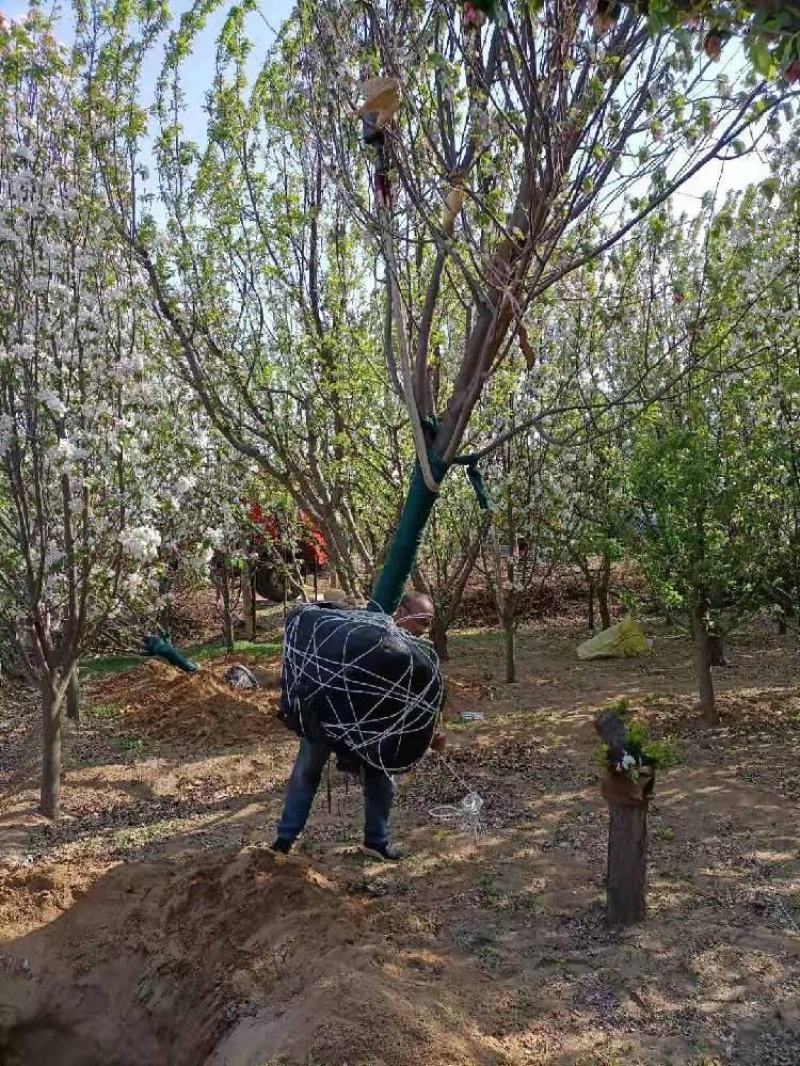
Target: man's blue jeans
pixel 379 790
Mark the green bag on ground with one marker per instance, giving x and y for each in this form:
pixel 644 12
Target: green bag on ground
pixel 617 642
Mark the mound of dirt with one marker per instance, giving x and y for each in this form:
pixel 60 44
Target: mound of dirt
pixel 29 897
pixel 239 958
pixel 157 701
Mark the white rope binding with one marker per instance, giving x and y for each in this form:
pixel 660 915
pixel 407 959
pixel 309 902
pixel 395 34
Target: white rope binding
pixel 333 677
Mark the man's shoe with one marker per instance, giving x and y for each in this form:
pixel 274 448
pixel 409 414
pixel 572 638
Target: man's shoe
pixel 282 845
pixel 387 852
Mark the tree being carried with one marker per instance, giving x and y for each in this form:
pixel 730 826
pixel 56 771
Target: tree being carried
pixel 525 125
pixel 496 158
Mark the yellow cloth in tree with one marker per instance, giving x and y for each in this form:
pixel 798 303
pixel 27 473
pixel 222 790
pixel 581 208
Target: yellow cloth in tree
pixel 381 100
pixel 617 642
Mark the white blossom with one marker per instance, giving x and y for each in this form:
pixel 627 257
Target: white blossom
pixel 52 402
pixel 184 484
pixel 134 584
pixel 215 537
pixel 64 450
pixel 141 542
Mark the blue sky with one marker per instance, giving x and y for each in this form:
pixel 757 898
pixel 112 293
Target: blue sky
pixel 274 12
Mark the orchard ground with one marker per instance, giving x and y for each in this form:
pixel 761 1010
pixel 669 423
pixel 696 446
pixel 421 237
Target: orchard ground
pixel 152 925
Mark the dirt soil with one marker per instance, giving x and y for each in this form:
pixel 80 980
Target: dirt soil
pixel 153 927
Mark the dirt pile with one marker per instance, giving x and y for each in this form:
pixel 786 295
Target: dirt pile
pixel 32 896
pixel 241 958
pixel 160 702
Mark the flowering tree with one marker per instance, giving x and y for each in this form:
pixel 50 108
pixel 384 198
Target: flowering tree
pixel 256 270
pixel 494 160
pixel 86 452
pixel 203 522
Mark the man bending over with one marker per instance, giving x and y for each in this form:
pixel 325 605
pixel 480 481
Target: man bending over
pixel 414 614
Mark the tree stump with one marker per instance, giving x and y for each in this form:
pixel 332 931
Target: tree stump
pixel 626 884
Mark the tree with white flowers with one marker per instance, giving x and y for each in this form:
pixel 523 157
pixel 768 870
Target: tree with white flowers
pixel 86 448
pixel 256 269
pixel 412 159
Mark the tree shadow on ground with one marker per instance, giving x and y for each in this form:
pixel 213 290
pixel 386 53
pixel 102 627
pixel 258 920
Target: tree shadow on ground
pixel 494 951
pixel 476 953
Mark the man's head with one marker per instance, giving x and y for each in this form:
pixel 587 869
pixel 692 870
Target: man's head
pixel 415 613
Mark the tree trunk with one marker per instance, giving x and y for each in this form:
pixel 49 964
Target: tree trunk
pixel 248 603
pixel 449 602
pixel 509 607
pixel 783 625
pixel 590 613
pixel 405 544
pixel 227 617
pixel 74 697
pixel 716 647
pixel 164 618
pixel 511 663
pixel 439 637
pixel 708 703
pixel 627 863
pixel 602 593
pixel 50 802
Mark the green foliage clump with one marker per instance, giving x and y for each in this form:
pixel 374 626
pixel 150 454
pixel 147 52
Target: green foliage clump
pixel 641 751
